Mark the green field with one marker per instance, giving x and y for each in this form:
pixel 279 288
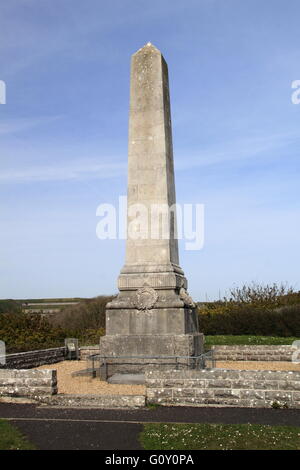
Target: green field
pixel 12 439
pixel 219 437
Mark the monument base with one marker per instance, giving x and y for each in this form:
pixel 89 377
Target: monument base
pixel 152 322
pixel 166 350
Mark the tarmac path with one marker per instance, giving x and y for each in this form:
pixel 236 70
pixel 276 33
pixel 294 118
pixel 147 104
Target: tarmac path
pixel 87 429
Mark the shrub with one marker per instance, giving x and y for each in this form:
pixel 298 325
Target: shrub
pixel 27 332
pixel 7 306
pixel 23 332
pixel 247 320
pixel 271 296
pixel 88 314
pixel 253 310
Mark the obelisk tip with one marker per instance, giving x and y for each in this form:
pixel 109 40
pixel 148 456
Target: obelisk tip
pixel 148 47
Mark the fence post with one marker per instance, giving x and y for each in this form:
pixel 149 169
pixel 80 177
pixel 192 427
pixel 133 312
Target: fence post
pixel 105 368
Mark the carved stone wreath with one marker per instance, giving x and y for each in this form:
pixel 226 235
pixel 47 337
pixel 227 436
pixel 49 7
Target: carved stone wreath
pixel 186 298
pixel 145 298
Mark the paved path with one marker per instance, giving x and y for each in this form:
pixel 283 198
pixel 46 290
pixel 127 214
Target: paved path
pixel 62 428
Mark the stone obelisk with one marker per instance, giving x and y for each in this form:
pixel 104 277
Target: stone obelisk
pixel 153 315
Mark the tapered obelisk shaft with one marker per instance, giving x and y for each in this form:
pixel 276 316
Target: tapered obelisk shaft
pixel 150 156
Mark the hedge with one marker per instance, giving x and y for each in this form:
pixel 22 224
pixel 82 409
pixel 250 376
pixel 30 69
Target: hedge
pixel 246 320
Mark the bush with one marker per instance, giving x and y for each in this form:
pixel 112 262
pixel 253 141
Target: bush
pixel 247 320
pixel 7 306
pixel 253 310
pixel 28 332
pixel 88 314
pixel 269 296
pixel 23 332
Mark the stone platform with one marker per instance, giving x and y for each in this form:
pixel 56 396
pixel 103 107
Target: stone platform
pixel 134 353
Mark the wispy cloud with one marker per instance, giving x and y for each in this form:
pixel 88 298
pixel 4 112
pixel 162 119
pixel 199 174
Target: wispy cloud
pixel 239 150
pixel 42 33
pixel 12 126
pixel 73 170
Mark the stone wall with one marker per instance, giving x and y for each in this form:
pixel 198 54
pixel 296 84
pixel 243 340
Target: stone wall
pixel 27 383
pixel 220 387
pixel 253 353
pixel 86 351
pixel 30 359
pixel 94 401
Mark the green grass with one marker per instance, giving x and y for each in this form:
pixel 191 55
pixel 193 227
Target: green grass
pixel 219 437
pixel 153 406
pixel 12 439
pixel 227 339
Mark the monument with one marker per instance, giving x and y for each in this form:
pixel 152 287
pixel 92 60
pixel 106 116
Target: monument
pixel 153 315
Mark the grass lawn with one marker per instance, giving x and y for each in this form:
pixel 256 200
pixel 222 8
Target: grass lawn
pixel 12 439
pixel 227 339
pixel 219 437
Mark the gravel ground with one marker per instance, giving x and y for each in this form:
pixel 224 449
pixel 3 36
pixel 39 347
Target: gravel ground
pixel 257 365
pixel 86 385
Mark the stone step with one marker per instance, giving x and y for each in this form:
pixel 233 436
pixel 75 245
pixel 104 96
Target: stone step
pixel 94 401
pixel 86 372
pixel 131 379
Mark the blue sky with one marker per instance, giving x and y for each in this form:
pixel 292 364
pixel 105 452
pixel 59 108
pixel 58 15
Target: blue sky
pixel 63 138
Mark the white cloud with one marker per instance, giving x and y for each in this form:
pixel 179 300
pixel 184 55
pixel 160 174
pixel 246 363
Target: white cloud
pixel 238 150
pixel 74 167
pixel 12 126
pixel 73 170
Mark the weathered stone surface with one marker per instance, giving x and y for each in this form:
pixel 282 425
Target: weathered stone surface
pixel 223 388
pixel 30 359
pixel 265 384
pixel 278 395
pixel 27 383
pixel 86 351
pixel 296 397
pixel 183 392
pixel 252 394
pixel 269 375
pixel 155 321
pixel 204 393
pixel 242 384
pixel 288 385
pixel 218 383
pixel 215 374
pixel 94 401
pixel 27 391
pixel 153 314
pixel 225 393
pixel 253 352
